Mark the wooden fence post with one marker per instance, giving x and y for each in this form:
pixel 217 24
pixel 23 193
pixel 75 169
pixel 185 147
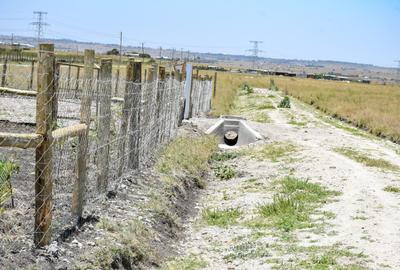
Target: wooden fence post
pixel 31 76
pixel 134 128
pixel 4 74
pixel 103 132
pixel 126 109
pixel 56 92
pixel 78 199
pixel 215 84
pixel 77 81
pixel 44 125
pixel 69 75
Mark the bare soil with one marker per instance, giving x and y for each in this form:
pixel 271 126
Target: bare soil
pixel 364 219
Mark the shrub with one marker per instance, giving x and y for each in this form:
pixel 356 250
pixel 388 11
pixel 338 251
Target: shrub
pixel 224 172
pixel 285 103
pixel 246 89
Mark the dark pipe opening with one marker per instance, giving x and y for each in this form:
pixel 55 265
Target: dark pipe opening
pixel 231 138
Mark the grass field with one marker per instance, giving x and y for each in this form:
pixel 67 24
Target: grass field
pixel 373 107
pixel 227 87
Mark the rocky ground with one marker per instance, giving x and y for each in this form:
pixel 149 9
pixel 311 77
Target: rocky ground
pixel 315 194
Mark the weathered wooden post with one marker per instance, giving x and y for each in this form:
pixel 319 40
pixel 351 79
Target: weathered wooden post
pixel 188 91
pixel 31 76
pixel 78 196
pixel 56 92
pixel 44 125
pixel 77 81
pixel 103 132
pixel 215 84
pixel 126 109
pixel 69 75
pixel 134 128
pixel 4 73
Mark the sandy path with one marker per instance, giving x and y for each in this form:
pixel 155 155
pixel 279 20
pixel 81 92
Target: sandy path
pixel 366 218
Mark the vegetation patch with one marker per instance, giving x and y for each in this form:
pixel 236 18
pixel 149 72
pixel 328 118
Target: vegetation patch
pixel 224 172
pixel 221 218
pixel 272 151
pixel 224 156
pixel 7 168
pixel 126 246
pixel 357 103
pixel 186 159
pixel 248 250
pixel 254 107
pixel 190 262
pixel 293 204
pixel 333 258
pixel 246 89
pixel 392 189
pixel 285 103
pixel 261 117
pixel 367 160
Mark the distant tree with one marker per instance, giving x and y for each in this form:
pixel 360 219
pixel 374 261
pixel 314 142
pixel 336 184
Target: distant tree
pixel 113 52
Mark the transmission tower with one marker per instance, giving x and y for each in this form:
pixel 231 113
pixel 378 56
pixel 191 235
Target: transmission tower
pixel 255 50
pixel 39 24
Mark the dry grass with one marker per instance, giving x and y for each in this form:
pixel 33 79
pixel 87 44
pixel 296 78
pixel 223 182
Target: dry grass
pixel 228 85
pixel 373 107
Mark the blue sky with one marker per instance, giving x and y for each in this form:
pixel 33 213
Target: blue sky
pixel 362 31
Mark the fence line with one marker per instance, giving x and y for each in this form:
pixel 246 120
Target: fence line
pixel 91 131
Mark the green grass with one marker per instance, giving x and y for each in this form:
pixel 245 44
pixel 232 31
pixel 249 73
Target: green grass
pixel 224 172
pixel 392 189
pixel 293 204
pixel 330 260
pixel 261 117
pixel 254 107
pixel 186 159
pixel 221 218
pixel 7 168
pixel 124 244
pixel 294 122
pixel 190 262
pixel 224 156
pixel 366 159
pixel 272 151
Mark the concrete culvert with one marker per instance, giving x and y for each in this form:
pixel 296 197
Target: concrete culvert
pixel 231 137
pixel 233 132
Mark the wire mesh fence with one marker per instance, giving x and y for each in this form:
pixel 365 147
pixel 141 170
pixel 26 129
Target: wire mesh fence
pixel 71 136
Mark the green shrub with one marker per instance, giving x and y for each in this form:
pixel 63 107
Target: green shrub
pixel 246 89
pixel 224 172
pixel 285 103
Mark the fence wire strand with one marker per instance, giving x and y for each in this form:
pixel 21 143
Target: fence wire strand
pixel 128 125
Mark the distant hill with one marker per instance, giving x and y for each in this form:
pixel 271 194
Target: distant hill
pixel 231 60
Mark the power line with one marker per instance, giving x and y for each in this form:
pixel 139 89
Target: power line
pixel 255 50
pixel 39 24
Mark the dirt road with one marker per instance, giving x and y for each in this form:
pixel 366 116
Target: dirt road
pixel 351 221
